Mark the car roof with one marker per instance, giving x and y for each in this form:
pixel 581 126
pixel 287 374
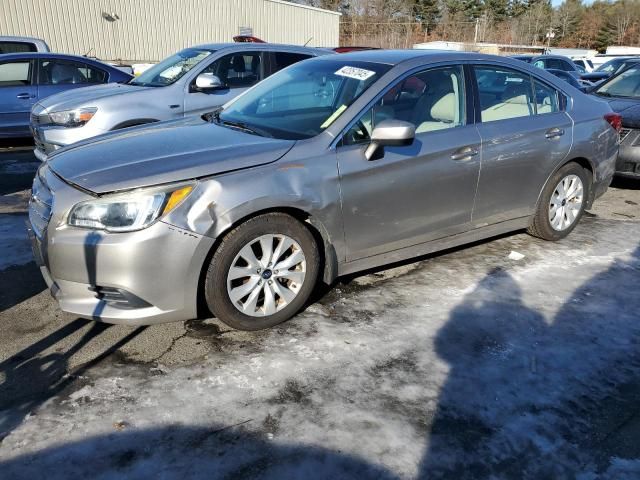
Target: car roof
pixel 61 56
pixel 10 38
pixel 245 46
pixel 396 57
pixel 559 57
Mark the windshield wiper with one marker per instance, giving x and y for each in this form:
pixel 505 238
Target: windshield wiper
pixel 214 117
pixel 244 127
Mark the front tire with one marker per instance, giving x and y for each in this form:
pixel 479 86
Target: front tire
pixel 561 203
pixel 263 272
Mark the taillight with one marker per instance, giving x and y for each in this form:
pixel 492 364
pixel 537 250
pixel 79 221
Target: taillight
pixel 615 120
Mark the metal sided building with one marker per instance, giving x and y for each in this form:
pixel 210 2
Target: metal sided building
pixel 149 30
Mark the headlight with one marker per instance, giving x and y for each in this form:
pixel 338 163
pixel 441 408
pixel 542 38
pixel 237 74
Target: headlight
pixel 130 211
pixel 73 118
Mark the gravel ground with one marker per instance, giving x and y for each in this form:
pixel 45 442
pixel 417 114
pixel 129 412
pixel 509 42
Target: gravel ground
pixel 467 364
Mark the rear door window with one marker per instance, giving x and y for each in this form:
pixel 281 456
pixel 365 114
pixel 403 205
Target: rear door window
pixel 558 64
pixel 280 60
pixel 504 93
pixel 15 74
pixel 64 72
pixel 547 98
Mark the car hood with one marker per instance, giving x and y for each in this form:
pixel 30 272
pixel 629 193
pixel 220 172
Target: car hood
pixel 628 108
pixel 160 153
pixel 78 97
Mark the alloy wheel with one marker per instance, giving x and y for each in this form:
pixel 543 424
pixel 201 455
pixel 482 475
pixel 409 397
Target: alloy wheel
pixel 266 275
pixel 566 202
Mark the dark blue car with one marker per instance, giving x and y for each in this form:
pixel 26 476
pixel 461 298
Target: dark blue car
pixel 26 78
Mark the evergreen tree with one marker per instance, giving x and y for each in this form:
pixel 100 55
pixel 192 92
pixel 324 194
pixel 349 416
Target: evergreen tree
pixel 427 12
pixel 498 10
pixel 605 37
pixel 516 8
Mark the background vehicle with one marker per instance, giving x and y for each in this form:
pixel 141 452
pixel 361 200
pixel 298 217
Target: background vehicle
pixel 193 81
pixel 26 78
pixel 613 67
pixel 22 45
pixel 332 166
pixel 622 92
pixel 584 63
pixel 558 62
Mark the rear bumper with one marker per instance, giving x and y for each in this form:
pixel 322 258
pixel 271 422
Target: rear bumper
pixel 628 163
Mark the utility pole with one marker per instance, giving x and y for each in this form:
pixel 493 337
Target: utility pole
pixel 475 35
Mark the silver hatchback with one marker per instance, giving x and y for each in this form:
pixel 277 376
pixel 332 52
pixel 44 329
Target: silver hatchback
pixel 190 82
pixel 331 166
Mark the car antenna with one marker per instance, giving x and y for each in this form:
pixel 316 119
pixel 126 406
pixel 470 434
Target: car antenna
pixel 307 42
pixel 88 52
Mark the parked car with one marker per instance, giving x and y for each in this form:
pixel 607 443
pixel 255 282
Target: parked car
pixel 622 92
pixel 26 78
pixel 558 62
pixel 332 166
pixel 584 63
pixel 615 66
pixel 22 45
pixel 190 82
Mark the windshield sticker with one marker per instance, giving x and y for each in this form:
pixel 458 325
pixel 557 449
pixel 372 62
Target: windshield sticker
pixel 332 118
pixel 355 73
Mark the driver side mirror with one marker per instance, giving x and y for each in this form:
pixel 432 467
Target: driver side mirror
pixel 392 133
pixel 208 81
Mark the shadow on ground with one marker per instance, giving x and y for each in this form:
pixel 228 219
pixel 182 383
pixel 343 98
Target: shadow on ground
pixel 19 283
pixel 510 407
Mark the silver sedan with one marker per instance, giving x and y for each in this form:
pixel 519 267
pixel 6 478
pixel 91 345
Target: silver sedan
pixel 331 166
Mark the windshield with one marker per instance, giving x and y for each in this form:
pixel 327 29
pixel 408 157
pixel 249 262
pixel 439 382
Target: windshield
pixel 303 100
pixel 171 69
pixel 609 66
pixel 626 84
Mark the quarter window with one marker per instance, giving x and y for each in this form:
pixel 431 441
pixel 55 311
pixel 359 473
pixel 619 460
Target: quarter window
pixel 61 72
pixel 504 94
pixel 15 74
pixel 432 100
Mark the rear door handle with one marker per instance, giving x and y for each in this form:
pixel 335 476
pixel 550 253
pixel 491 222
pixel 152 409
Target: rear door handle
pixel 25 96
pixel 554 133
pixel 465 153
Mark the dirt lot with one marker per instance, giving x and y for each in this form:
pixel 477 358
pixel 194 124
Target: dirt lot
pixel 468 364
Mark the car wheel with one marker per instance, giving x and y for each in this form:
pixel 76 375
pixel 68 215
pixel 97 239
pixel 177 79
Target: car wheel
pixel 561 203
pixel 263 272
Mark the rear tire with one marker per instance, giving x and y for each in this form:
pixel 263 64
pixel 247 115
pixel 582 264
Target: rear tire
pixel 561 203
pixel 263 272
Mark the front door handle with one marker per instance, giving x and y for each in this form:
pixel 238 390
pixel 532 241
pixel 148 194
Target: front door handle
pixel 25 96
pixel 554 133
pixel 465 153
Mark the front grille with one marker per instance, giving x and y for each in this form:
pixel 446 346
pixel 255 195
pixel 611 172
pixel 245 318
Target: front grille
pixel 40 206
